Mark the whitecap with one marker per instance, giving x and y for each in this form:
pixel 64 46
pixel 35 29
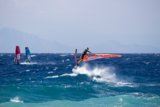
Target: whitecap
pixel 63 75
pixel 50 72
pixel 98 74
pixel 67 59
pixel 33 55
pixel 18 79
pixel 16 100
pixel 145 62
pixel 71 74
pixel 124 83
pixel 55 68
pixel 67 86
pixel 101 74
pixel 27 63
pixel 55 76
pixel 27 70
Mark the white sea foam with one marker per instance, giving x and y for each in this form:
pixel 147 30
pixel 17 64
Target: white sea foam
pixel 63 75
pixel 98 74
pixel 33 55
pixel 67 59
pixel 67 86
pixel 54 76
pixel 101 74
pixel 71 74
pixel 38 63
pixel 16 100
pixel 145 62
pixel 18 79
pixel 27 70
pixel 26 63
pixel 32 81
pixel 55 68
pixel 50 72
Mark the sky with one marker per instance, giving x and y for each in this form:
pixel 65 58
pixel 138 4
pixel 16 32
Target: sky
pixel 114 26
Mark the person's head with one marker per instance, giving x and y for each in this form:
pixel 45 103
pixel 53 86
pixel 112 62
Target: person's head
pixel 87 48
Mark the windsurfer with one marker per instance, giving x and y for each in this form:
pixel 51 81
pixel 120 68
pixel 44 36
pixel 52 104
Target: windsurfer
pixel 17 55
pixel 28 57
pixel 85 52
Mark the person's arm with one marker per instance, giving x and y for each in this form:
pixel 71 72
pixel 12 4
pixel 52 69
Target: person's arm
pixel 89 51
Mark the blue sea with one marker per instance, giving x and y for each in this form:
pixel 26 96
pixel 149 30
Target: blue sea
pixel 53 80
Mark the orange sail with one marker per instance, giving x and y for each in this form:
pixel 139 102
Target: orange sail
pixel 89 57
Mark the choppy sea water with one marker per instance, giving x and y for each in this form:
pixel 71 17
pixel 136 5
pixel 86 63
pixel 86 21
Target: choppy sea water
pixel 52 80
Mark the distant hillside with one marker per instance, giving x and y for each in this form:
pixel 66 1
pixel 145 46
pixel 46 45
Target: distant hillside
pixel 9 38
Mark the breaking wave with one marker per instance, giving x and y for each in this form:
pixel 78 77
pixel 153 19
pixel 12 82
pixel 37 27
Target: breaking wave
pixel 16 100
pixel 99 74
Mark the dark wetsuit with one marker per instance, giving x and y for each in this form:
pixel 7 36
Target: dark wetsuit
pixel 84 53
